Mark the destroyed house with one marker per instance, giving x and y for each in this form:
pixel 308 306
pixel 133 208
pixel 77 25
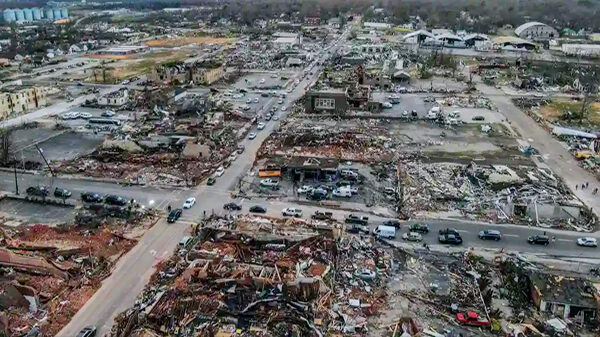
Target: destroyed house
pixel 326 101
pixel 572 298
pixel 204 73
pixel 303 168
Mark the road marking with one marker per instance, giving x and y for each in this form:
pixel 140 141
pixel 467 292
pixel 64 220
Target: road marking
pixel 563 240
pixel 462 231
pixel 511 235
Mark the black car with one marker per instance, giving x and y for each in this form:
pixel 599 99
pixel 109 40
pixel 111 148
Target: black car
pixel 321 215
pixel 38 191
pixel 490 234
pixel 449 231
pixel 91 197
pixel 538 240
pixel 88 331
pixel 317 195
pixel 258 209
pixel 450 239
pixel 115 200
pixel 210 181
pixel 174 215
pixel 392 223
pixel 355 219
pixel 419 228
pixel 62 193
pixel 232 207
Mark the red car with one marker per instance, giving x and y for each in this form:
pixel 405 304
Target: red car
pixel 472 318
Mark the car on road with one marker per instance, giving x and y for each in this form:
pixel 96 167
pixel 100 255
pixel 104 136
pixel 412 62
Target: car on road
pixel 342 193
pixel 472 318
pixel 280 101
pixel 392 223
pixel 240 149
pixel 210 181
pixel 449 231
pixel 174 215
pixel 251 135
pixel 108 113
pixel 290 211
pixel 38 191
pixel 538 240
pixel 489 234
pixel 304 189
pixel 115 200
pixel 85 115
pixel 587 242
pixel 412 236
pixel 62 193
pixel 261 126
pixel 357 219
pixel 268 117
pixel 317 194
pixel 219 172
pixel 258 209
pixel 88 331
pixel 275 118
pixel 232 206
pixel 283 108
pixel 419 228
pixel 91 197
pixel 322 215
pixel 189 202
pixel 478 118
pixel 356 228
pixel 450 239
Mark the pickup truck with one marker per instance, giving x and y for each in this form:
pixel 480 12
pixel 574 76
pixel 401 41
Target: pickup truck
pixel 472 318
pixel 322 215
pixel 356 219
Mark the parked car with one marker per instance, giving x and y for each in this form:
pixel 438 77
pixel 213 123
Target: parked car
pixel 85 115
pixel 412 236
pixel 240 149
pixel 450 239
pixel 232 207
pixel 251 135
pixel 449 231
pixel 38 191
pixel 366 274
pixel 351 188
pixel 62 193
pixel 538 240
pixel 587 242
pixel 189 202
pixel 304 189
pixel 321 215
pixel 268 182
pixel 261 126
pixel 174 215
pixel 219 172
pixel 115 200
pixel 317 194
pixel 419 228
pixel 290 211
pixel 283 108
pixel 88 331
pixel 472 318
pixel 338 192
pixel 384 232
pixel 258 209
pixel 108 113
pixel 357 219
pixel 91 197
pixel 356 228
pixel 490 234
pixel 392 223
pixel 210 181
pixel 478 118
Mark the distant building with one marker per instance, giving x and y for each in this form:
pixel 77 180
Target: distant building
pixel 115 99
pixel 326 101
pixel 312 21
pixel 585 50
pixel 34 14
pixel 536 31
pixel 377 25
pixel 22 100
pixel 124 50
pixel 287 40
pixel 204 73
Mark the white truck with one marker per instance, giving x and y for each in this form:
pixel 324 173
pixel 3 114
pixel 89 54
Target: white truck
pixel 385 232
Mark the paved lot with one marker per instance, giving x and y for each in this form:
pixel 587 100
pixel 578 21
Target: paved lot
pixel 31 212
pixel 64 146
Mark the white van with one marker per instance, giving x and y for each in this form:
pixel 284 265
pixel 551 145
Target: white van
pixel 385 232
pixel 343 193
pixel 348 173
pixel 186 240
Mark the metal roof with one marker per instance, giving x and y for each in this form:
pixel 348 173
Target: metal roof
pixel 524 26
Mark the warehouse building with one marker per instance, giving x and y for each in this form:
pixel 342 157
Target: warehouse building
pixel 536 31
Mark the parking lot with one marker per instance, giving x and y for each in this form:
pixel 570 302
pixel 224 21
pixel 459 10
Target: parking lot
pixel 31 212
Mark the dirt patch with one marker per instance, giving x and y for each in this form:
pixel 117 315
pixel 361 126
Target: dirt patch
pixel 182 41
pixel 554 110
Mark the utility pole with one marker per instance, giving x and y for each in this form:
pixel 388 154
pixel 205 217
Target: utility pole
pixel 45 161
pixel 16 182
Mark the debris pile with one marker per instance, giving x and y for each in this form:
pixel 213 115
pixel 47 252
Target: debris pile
pixel 496 193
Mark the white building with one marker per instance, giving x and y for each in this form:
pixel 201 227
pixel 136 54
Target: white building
pixel 115 99
pixel 287 40
pixel 585 50
pixel 377 25
pixel 536 31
